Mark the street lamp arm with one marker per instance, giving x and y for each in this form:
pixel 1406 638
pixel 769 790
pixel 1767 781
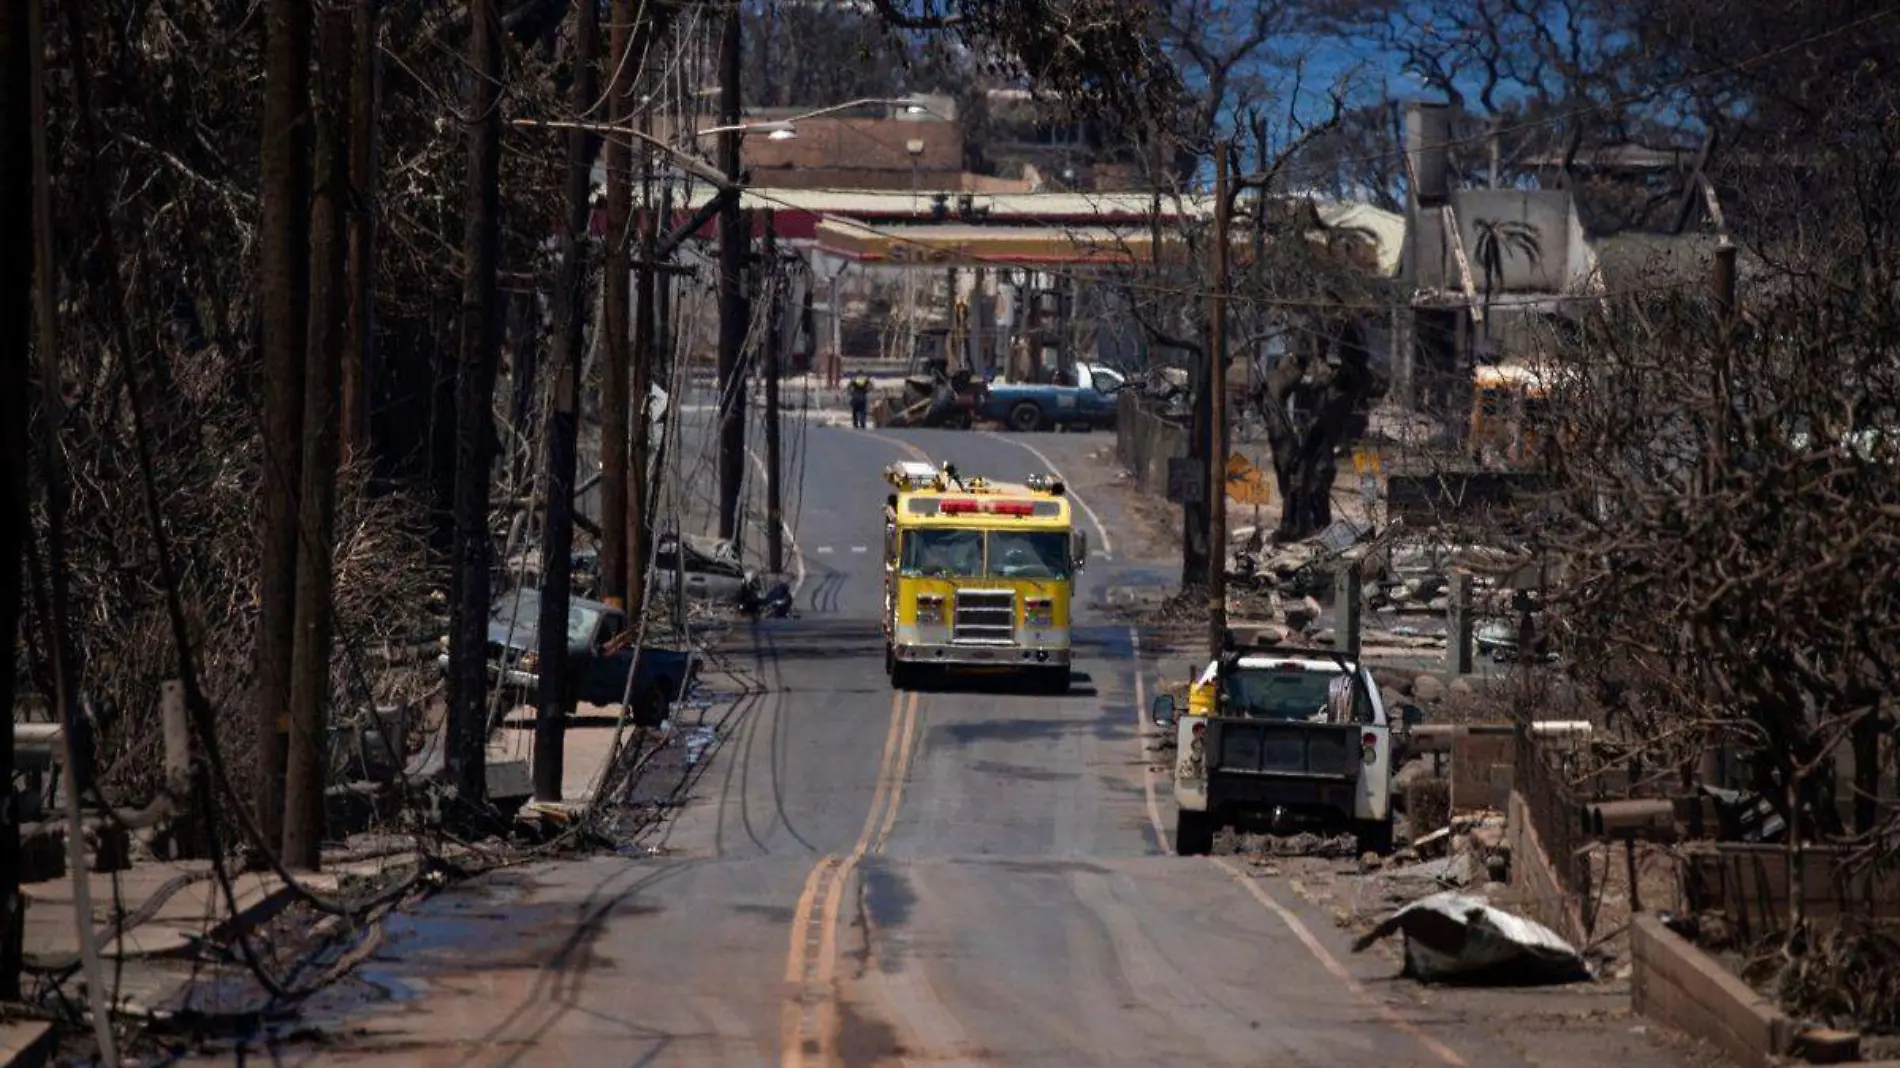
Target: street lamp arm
pixel 693 165
pixel 831 109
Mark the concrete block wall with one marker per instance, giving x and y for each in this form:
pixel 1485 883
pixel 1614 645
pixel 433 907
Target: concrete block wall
pixel 1534 880
pixel 1683 988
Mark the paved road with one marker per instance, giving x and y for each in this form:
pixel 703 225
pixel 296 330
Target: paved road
pixel 955 878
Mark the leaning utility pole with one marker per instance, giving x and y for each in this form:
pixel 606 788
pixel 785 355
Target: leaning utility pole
pixel 613 349
pixel 557 541
pixel 285 241
pixel 329 306
pixel 1216 496
pixel 474 413
pixel 734 240
pixel 774 505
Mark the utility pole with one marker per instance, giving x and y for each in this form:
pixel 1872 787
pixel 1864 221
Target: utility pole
pixel 570 317
pixel 18 93
pixel 323 375
pixel 467 749
pixel 774 503
pixel 640 389
pixel 285 239
pixel 1216 495
pixel 734 239
pixel 359 365
pixel 614 347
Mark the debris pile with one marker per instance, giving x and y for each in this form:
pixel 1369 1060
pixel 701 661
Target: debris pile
pixel 1470 853
pixel 1405 592
pixel 1303 844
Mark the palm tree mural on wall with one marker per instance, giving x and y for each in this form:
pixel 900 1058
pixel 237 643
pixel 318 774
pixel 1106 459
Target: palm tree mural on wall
pixel 1497 240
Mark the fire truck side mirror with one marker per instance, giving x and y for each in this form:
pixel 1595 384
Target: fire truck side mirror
pixel 1161 710
pixel 1081 549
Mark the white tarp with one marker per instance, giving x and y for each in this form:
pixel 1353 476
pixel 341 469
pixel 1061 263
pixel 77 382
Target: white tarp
pixel 1456 937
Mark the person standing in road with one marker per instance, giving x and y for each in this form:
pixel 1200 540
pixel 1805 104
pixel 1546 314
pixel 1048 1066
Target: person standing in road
pixel 860 387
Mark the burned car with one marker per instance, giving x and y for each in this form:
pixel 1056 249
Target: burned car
pixel 710 568
pixel 600 656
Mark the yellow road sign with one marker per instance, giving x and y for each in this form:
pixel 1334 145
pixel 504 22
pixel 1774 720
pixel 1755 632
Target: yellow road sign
pixel 1247 484
pixel 1366 462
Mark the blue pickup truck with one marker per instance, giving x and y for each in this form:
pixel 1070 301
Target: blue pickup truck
pixel 600 656
pixel 1027 406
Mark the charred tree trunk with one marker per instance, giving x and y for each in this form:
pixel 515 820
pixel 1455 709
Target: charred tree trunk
pixel 1308 404
pixel 286 251
pixel 613 351
pixel 16 325
pixel 359 364
pixel 570 304
pixel 474 418
pixel 329 310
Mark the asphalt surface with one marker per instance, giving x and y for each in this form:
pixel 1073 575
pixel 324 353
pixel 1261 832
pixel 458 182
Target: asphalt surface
pixel 970 876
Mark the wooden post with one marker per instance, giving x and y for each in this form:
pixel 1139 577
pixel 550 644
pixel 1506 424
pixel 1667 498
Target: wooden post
pixel 1347 595
pixel 1458 624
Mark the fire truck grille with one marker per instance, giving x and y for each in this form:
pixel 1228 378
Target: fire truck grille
pixel 985 617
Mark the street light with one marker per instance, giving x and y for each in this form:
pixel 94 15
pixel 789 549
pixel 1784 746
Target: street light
pixel 775 130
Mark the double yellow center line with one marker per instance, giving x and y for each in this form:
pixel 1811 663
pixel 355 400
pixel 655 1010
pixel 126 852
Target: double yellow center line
pixel 808 1029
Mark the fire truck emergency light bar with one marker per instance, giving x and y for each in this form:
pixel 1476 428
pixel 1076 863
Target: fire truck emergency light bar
pixel 965 506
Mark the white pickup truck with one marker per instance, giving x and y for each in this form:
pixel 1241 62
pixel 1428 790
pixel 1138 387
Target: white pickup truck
pixel 1281 736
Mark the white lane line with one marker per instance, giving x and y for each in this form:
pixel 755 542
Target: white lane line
pixel 824 548
pixel 1331 963
pixel 859 549
pixel 1141 731
pixel 791 539
pixel 1108 546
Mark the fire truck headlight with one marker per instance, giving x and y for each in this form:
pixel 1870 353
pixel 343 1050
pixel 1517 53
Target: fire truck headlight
pixel 929 610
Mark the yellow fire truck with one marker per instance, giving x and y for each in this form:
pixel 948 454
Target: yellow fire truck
pixel 978 576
